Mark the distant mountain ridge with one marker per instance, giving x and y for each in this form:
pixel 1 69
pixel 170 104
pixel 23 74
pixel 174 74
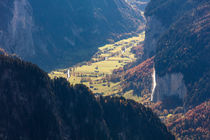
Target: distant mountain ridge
pixel 56 33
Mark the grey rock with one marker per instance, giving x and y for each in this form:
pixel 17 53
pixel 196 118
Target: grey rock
pixel 154 29
pixel 169 85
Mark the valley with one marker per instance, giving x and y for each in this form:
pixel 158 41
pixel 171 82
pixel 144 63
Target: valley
pixel 96 73
pixel 108 70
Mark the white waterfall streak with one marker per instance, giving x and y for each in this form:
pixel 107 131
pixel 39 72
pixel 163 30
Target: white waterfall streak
pixel 68 74
pixel 153 84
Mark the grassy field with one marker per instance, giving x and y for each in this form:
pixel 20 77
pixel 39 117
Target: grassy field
pixel 94 73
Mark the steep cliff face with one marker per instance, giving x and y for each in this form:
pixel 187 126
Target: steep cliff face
pixel 35 107
pixel 19 38
pixel 169 85
pixel 160 16
pixel 178 35
pixel 185 49
pixel 181 49
pixel 154 29
pixel 62 32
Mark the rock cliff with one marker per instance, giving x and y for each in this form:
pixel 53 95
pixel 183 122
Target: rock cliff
pixel 169 85
pixel 179 34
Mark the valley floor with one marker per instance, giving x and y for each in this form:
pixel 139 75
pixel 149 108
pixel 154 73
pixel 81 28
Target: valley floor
pixel 96 73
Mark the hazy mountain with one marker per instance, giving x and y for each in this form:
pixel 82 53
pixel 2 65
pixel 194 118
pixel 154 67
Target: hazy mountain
pixel 54 33
pixel 35 107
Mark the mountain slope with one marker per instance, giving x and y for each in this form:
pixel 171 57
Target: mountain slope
pixel 35 107
pixel 194 124
pixel 160 16
pixel 178 35
pixel 56 33
pixel 139 78
pixel 185 49
pixel 181 48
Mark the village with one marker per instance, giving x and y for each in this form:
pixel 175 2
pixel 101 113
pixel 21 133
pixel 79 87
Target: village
pixel 96 73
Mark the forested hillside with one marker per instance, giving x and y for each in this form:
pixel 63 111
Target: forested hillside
pixel 178 35
pixel 185 48
pixel 35 107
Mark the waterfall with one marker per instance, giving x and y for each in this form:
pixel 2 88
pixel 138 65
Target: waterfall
pixel 68 74
pixel 153 84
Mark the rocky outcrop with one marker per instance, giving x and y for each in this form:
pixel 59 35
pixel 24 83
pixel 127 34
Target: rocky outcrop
pixel 182 65
pixel 154 29
pixel 19 38
pixel 169 85
pixel 178 37
pixel 184 49
pixel 160 16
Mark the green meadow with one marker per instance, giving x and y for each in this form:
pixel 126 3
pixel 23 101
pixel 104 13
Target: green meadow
pixel 94 72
